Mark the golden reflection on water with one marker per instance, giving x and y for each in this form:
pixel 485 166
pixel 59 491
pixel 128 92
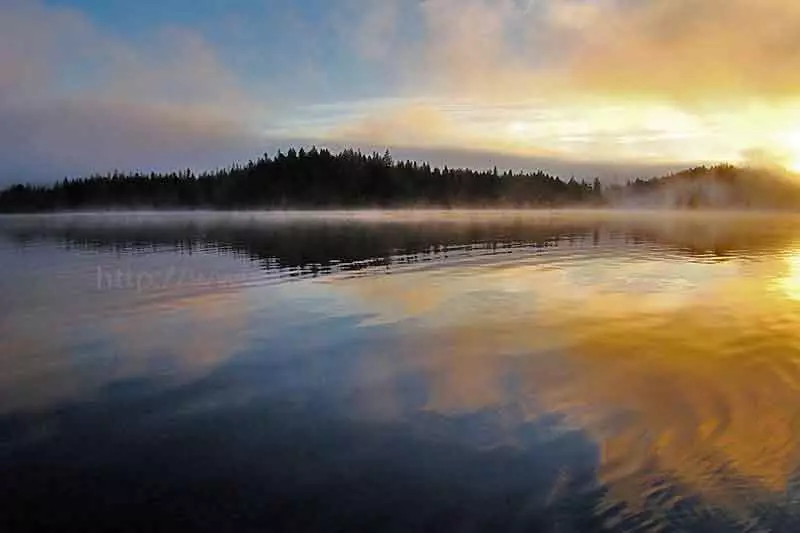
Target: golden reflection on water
pixel 790 283
pixel 673 342
pixel 682 365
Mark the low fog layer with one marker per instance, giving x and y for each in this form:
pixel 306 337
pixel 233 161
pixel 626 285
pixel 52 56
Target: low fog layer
pixel 721 187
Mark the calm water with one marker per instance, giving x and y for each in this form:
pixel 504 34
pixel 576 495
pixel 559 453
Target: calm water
pixel 407 372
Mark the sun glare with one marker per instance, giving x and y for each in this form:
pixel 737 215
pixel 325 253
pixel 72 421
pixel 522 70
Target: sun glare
pixel 792 145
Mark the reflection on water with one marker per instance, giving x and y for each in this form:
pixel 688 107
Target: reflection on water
pixel 569 371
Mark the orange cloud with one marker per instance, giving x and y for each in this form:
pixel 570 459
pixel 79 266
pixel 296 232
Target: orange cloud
pixel 689 81
pixel 695 51
pixel 685 50
pixel 412 124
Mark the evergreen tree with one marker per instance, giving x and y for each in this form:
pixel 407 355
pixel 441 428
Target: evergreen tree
pixel 304 179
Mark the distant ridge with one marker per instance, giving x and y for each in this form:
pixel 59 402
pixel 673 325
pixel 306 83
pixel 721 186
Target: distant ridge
pixel 717 187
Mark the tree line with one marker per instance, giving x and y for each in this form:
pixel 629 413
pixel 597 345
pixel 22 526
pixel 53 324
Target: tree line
pixel 306 179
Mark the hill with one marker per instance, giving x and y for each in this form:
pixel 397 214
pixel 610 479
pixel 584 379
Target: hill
pixel 718 187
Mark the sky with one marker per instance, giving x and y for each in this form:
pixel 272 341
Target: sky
pixel 609 88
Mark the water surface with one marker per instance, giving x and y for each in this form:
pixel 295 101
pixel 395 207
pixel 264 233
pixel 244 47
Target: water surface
pixel 400 371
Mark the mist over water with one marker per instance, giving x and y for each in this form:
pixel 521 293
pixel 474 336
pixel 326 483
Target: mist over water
pixel 400 371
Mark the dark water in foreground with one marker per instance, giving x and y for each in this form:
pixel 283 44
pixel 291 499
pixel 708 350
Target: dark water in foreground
pixel 406 372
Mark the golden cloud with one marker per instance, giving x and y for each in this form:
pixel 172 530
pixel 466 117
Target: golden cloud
pixel 688 50
pixel 689 81
pixel 703 51
pixel 406 124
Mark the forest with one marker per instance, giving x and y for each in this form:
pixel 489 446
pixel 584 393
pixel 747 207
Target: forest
pixel 306 179
pixel 319 179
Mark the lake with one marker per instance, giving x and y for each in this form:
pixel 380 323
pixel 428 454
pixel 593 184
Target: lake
pixel 400 371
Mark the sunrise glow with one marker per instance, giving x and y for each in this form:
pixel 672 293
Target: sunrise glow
pixel 565 85
pixel 792 143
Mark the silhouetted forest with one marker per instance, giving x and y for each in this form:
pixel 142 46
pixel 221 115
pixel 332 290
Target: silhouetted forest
pixel 317 179
pixel 306 179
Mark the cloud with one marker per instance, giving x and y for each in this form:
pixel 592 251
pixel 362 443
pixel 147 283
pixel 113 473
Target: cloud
pixel 45 141
pixel 176 66
pixel 468 40
pixel 596 133
pixel 33 41
pixel 377 28
pixel 74 99
pixel 657 82
pixel 697 51
pixel 663 81
pixel 685 50
pixel 404 125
